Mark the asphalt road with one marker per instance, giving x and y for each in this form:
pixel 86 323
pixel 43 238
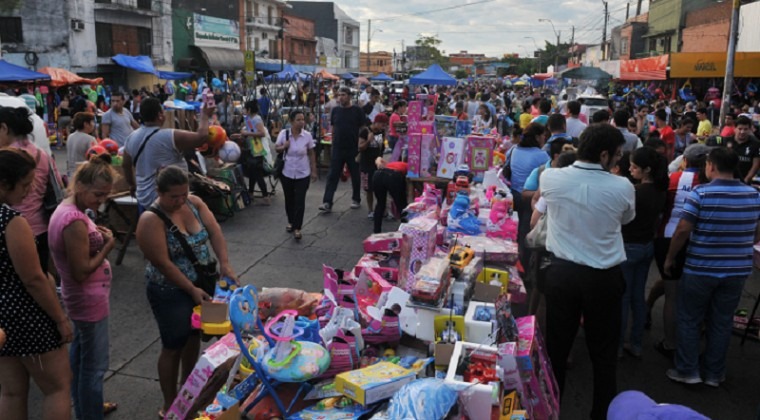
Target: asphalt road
pixel 265 255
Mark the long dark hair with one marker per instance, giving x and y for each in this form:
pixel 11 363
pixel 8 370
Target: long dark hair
pixel 18 120
pixel 530 135
pixel 647 157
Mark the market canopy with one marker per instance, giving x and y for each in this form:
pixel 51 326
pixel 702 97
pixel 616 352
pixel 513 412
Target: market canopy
pixel 585 73
pixel 174 75
pixel 139 63
pixel 222 58
pixel 288 73
pixel 361 80
pixel 347 76
pixel 61 77
pixel 382 77
pixel 326 75
pixel 434 75
pixel 650 68
pixel 13 73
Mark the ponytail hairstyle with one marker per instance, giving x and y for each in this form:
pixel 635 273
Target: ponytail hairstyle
pixel 18 120
pixel 15 165
pixel 647 157
pixel 92 171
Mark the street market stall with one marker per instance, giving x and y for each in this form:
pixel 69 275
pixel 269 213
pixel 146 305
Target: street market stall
pixel 61 77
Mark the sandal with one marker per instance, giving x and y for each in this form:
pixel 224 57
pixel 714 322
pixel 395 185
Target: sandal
pixel 289 228
pixel 297 234
pixel 109 407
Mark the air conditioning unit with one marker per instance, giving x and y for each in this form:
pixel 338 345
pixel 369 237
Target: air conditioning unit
pixel 77 25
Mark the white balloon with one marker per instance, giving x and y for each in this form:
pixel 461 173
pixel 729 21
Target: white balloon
pixel 229 152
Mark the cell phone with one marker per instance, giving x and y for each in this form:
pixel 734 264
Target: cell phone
pixel 209 101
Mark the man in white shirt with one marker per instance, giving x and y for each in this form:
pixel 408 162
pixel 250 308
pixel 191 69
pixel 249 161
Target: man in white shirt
pixel 586 206
pixel 574 126
pixel 365 95
pixel 632 141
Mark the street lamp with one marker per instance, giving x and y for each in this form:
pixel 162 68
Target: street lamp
pixel 557 34
pixel 537 50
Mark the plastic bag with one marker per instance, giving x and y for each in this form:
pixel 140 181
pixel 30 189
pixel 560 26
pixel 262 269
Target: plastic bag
pixel 422 399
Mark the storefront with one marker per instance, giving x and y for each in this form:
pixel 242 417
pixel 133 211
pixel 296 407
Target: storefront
pixel 713 64
pixel 206 42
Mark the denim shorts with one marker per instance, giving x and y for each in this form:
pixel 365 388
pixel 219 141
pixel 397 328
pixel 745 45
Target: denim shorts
pixel 172 307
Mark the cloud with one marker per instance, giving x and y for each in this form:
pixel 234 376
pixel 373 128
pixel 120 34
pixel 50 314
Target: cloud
pixel 492 28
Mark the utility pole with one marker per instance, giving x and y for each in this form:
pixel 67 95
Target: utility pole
pixel 556 54
pixel 403 57
pixel 728 82
pixel 604 34
pixel 638 7
pixel 369 28
pixel 627 10
pixel 572 44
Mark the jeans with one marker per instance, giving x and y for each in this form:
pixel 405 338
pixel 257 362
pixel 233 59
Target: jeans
pixel 384 182
pixel 714 299
pixel 574 291
pixel 295 199
pixel 88 356
pixel 337 160
pixel 635 272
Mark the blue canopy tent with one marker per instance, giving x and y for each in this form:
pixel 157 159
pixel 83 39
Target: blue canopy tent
pixel 287 74
pixel 434 75
pixel 347 76
pixel 174 75
pixel 382 77
pixel 13 73
pixel 139 63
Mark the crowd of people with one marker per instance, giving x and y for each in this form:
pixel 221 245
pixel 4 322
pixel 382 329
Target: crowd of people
pixel 614 191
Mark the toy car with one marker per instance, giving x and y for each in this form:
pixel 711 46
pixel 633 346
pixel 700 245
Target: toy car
pixel 459 257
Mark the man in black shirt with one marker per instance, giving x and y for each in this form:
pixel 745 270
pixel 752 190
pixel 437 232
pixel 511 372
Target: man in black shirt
pixel 371 146
pixel 346 120
pixel 747 147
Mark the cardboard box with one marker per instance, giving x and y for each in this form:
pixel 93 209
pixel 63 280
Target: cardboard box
pixel 540 388
pixel 510 402
pixel 218 354
pixel 389 242
pixel 452 155
pixel 214 312
pixel 481 399
pixel 417 249
pixel 386 265
pixel 497 251
pixel 373 383
pixel 479 331
pixel 443 352
pixel 479 155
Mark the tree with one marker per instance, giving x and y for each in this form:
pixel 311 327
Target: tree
pixel 461 74
pixel 519 65
pixel 427 52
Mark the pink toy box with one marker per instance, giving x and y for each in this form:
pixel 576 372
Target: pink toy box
pixel 369 286
pixel 215 356
pixel 478 155
pixel 452 155
pixel 421 155
pixel 493 250
pixel 417 250
pixel 389 242
pixel 540 390
pixel 386 265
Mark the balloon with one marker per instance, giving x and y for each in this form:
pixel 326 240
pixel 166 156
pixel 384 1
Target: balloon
pixel 229 152
pixel 95 152
pixel 110 145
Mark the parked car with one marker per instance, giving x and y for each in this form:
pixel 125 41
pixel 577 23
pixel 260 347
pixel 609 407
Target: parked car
pixel 591 104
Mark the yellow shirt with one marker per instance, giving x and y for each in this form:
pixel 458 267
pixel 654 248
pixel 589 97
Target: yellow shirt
pixel 704 129
pixel 525 119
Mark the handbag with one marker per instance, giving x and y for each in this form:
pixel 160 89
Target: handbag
pixel 506 171
pixel 279 163
pixel 54 191
pixel 536 238
pixel 207 273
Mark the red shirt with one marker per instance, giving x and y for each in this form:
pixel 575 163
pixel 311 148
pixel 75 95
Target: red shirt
pixel 727 131
pixel 668 135
pixel 402 167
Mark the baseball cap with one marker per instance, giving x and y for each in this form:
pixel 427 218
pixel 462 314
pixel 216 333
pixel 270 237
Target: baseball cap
pixel 381 118
pixel 696 151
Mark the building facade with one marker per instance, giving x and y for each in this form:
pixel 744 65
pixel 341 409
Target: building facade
pixel 376 62
pixel 331 22
pixel 707 29
pixel 631 44
pixel 264 25
pixel 300 42
pixel 206 35
pixel 666 22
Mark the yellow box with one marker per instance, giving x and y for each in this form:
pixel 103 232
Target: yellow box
pixel 373 383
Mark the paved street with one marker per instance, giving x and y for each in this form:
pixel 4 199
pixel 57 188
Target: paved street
pixel 265 255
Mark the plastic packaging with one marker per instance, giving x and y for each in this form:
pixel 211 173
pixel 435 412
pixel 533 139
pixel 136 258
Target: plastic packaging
pixel 277 299
pixel 422 399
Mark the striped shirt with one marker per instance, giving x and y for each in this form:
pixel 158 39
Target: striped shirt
pixel 725 215
pixel 681 184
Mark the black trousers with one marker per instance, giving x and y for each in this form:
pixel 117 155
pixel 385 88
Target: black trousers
pixel 339 158
pixel 295 199
pixel 255 172
pixel 384 182
pixel 574 291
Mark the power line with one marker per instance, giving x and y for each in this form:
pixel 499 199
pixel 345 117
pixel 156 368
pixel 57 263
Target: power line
pixel 459 6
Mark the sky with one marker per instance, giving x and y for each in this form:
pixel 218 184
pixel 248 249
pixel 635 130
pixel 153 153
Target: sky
pixel 490 27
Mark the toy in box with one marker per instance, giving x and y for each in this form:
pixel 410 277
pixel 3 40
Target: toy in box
pixel 418 248
pixel 478 155
pixel 384 242
pixel 386 265
pixel 475 362
pixel 217 360
pixel 510 374
pixel 459 257
pixel 463 128
pixel 541 395
pixel 479 322
pixel 431 282
pixel 373 383
pixel 421 155
pixel 370 285
pixel 445 125
pixel 452 156
pixel 493 250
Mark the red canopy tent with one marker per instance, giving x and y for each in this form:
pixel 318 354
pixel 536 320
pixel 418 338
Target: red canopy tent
pixel 326 75
pixel 60 77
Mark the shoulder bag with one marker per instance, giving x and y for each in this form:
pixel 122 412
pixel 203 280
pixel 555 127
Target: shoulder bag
pixel 207 273
pixel 142 147
pixel 279 163
pixel 54 190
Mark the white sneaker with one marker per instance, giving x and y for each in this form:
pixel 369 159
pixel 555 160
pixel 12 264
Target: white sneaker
pixel 674 375
pixel 325 207
pixel 371 215
pixel 355 205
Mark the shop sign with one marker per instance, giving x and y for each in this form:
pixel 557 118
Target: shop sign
pixel 209 31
